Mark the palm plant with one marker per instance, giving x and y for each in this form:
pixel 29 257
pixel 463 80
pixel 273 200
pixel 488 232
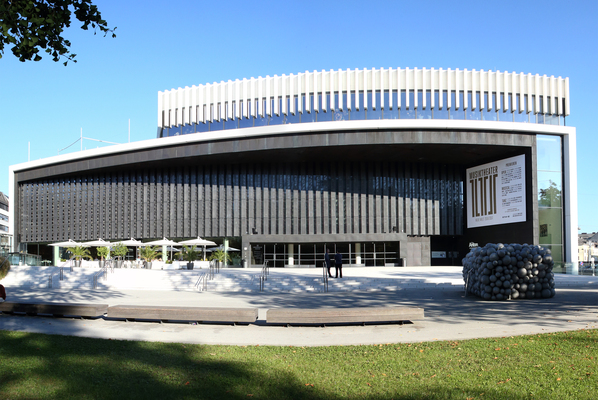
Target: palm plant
pixel 220 255
pixel 79 252
pixel 190 254
pixel 149 253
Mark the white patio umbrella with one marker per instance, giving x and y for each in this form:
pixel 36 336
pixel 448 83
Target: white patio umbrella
pixel 96 243
pixel 68 243
pixel 162 242
pixel 199 242
pixel 131 242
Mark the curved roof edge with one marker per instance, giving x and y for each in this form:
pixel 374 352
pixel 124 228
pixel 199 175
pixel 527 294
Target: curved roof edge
pixel 297 129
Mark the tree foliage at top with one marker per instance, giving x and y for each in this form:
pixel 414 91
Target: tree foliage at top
pixel 34 25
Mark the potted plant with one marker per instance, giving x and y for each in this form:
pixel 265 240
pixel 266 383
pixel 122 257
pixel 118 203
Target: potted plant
pixel 221 256
pixel 190 254
pixel 79 252
pixel 148 254
pixel 118 252
pixel 102 253
pixel 236 259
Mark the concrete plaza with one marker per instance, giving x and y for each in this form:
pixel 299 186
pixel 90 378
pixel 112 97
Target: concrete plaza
pixel 449 314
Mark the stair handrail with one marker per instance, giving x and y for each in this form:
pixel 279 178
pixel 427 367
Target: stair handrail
pixel 213 266
pixel 70 260
pixel 264 275
pixel 202 282
pixel 108 266
pixel 325 277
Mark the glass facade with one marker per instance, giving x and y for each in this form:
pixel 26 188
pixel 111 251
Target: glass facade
pixel 368 254
pixel 550 194
pixel 368 106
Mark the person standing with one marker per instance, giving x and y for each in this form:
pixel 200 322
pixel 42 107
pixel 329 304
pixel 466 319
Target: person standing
pixel 327 261
pixel 338 264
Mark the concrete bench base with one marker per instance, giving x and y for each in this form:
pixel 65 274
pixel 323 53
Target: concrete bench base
pixel 195 314
pixel 290 316
pixel 56 309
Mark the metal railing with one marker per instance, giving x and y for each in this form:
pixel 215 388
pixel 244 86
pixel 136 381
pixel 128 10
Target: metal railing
pixel 202 282
pixel 325 277
pixel 264 275
pixel 70 262
pixel 108 266
pixel 212 269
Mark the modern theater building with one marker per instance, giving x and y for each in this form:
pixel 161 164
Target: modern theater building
pixel 387 166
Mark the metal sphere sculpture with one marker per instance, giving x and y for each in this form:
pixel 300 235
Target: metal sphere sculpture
pixel 512 271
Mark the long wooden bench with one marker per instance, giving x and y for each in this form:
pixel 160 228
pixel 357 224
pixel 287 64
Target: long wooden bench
pixel 56 309
pixel 193 314
pixel 360 315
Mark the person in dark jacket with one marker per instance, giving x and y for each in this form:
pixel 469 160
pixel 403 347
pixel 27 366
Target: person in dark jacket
pixel 338 265
pixel 2 293
pixel 327 261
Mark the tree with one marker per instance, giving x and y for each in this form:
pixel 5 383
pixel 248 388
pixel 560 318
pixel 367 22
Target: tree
pixel 551 196
pixel 119 250
pixel 103 252
pixel 4 267
pixel 33 25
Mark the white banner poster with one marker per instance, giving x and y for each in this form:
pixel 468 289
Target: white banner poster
pixel 496 193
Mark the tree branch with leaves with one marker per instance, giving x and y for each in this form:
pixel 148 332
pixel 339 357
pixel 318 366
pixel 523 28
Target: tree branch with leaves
pixel 34 25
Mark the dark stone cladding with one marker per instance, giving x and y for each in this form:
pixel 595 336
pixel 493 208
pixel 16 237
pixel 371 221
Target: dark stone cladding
pixel 466 148
pixel 420 156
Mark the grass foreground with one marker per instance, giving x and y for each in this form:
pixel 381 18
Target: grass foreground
pixel 548 366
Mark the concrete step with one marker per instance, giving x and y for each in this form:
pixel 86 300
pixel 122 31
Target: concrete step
pixel 227 280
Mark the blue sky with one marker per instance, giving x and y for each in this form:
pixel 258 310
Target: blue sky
pixel 165 45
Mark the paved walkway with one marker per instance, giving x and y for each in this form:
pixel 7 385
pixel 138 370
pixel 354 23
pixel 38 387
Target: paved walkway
pixel 449 314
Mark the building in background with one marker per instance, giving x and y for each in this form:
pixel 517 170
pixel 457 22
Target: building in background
pixel 388 166
pixel 588 248
pixel 5 233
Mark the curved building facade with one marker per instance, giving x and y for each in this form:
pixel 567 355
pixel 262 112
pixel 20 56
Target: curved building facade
pixel 387 166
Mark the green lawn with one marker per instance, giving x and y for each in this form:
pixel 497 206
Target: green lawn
pixel 548 366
